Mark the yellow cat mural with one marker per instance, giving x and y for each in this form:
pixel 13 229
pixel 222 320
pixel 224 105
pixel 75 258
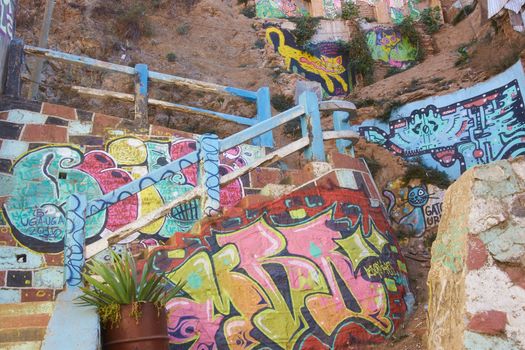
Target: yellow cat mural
pixel 327 68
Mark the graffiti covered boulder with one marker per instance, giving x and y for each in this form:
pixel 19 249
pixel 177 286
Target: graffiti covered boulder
pixel 317 269
pixel 455 132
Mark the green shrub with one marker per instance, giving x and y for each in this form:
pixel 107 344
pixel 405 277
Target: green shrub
pixel 183 29
pixel 305 29
pixel 242 2
pixel 361 60
pixel 171 57
pixel 431 18
pixel 388 108
pixel 132 22
pixel 349 10
pixel 259 43
pixel 407 29
pixel 249 11
pixel 282 102
pixel 463 56
pixel 431 176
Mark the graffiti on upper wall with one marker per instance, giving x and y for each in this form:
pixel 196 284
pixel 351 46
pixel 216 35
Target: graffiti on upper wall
pixel 326 64
pixel 457 131
pixel 278 9
pixel 7 18
pixel 414 208
pixel 44 178
pixel 399 9
pixel 387 45
pixel 318 269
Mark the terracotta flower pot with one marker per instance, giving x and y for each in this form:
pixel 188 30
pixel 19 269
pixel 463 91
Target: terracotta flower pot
pixel 149 333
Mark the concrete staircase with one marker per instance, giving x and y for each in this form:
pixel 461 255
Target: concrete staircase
pixel 23 326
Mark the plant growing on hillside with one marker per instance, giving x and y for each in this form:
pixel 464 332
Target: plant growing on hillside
pixel 431 176
pixel 249 11
pixel 282 102
pixel 132 22
pixel 242 2
pixel 305 29
pixel 183 29
pixel 171 57
pixel 407 29
pixel 118 283
pixel 361 60
pixel 431 18
pixel 349 10
pixel 463 56
pixel 259 43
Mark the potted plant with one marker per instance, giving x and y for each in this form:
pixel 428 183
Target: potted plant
pixel 131 305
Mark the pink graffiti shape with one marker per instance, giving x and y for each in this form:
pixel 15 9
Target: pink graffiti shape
pixel 103 168
pixel 188 320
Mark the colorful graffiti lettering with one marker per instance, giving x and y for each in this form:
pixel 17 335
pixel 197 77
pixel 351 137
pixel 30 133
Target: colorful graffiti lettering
pixel 7 18
pixel 278 8
pixel 317 269
pixel 386 45
pixel 415 208
pixel 327 65
pixel 44 178
pixel 457 131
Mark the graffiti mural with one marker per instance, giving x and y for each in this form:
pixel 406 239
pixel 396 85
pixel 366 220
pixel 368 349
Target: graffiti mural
pixel 45 177
pixel 387 45
pixel 318 269
pixel 399 9
pixel 279 8
pixel 325 64
pixel 7 18
pixel 454 132
pixel 414 208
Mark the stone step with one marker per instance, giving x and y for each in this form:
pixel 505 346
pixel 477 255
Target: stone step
pixel 23 345
pixel 24 321
pixel 22 334
pixel 29 308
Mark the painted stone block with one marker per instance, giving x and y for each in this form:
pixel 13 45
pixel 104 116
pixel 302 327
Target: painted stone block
pixel 52 277
pixel 45 133
pixel 59 111
pixel 37 295
pixel 25 117
pixel 12 149
pixel 17 258
pixel 10 131
pixel 10 296
pixel 19 278
pixel 80 128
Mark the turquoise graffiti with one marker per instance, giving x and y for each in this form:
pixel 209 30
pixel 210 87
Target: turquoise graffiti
pixel 399 9
pixel 36 209
pixel 387 45
pixel 457 131
pixel 42 180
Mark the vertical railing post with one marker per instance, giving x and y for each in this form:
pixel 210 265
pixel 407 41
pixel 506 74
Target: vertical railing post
pixel 209 176
pixel 341 123
pixel 141 93
pixel 264 112
pixel 311 127
pixel 36 75
pixel 15 60
pixel 74 240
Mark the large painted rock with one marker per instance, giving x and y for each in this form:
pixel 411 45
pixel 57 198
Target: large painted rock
pixel 317 269
pixel 476 282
